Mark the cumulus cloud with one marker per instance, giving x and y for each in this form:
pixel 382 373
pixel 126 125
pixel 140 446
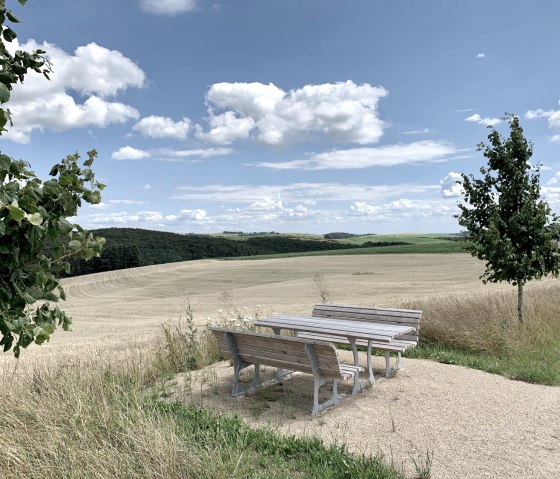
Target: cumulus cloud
pixel 225 128
pixel 402 209
pixel 168 7
pixel 295 207
pixel 450 188
pixel 147 218
pixel 163 127
pixel 388 155
pixel 344 112
pixel 481 55
pixel 92 72
pixel 188 215
pixel 553 118
pixel 483 121
pixel 129 153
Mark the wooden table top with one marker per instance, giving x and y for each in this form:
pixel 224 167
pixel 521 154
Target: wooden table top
pixel 336 327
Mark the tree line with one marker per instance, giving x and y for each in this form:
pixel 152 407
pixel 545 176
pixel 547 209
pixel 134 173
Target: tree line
pixel 133 247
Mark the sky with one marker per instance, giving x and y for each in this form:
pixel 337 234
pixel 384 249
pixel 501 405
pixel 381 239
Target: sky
pixel 309 116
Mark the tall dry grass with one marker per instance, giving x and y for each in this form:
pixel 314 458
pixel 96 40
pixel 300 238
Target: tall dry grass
pixel 96 417
pixel 488 323
pixel 88 418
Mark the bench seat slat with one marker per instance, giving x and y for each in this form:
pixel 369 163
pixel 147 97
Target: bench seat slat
pixel 395 345
pixel 379 318
pixel 362 309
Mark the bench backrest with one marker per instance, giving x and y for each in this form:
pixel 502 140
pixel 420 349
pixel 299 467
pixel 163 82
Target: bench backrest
pixel 401 317
pixel 278 351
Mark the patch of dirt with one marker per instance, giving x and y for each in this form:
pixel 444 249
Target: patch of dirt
pixel 475 424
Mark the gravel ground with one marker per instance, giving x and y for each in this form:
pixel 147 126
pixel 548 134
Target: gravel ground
pixel 474 424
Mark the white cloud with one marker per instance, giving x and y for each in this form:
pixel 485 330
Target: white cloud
pixel 296 207
pixel 92 71
pixel 201 152
pixel 148 217
pixel 225 128
pixel 298 192
pixel 147 186
pixel 188 215
pixel 553 118
pixel 388 155
pixel 483 121
pixel 449 186
pixel 416 132
pixel 403 209
pixel 344 112
pixel 361 208
pixel 163 127
pixel 126 202
pixel 481 55
pixel 168 7
pixel 554 180
pixel 129 153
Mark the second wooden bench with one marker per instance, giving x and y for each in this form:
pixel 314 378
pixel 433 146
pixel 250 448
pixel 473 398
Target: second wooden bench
pixel 403 317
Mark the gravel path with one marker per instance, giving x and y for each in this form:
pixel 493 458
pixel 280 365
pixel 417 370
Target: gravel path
pixel 476 424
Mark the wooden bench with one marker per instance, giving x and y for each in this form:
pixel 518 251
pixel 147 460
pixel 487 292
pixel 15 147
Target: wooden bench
pixel 288 354
pixel 403 317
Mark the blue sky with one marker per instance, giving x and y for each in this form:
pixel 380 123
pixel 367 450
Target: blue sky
pixel 285 115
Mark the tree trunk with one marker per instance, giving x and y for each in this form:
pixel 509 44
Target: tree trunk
pixel 520 301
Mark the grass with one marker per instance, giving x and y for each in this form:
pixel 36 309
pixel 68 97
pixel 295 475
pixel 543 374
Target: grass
pixel 425 243
pixel 482 332
pixel 95 418
pixel 440 246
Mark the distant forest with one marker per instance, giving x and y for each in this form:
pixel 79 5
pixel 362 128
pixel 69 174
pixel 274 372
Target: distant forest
pixel 132 247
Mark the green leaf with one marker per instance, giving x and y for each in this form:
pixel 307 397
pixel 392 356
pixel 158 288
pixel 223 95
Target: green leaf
pixel 5 162
pixel 28 298
pixel 9 35
pixel 74 244
pixel 61 293
pixel 16 213
pixel 12 17
pixel 4 93
pixel 35 219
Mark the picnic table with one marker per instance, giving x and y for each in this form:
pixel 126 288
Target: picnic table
pixel 351 329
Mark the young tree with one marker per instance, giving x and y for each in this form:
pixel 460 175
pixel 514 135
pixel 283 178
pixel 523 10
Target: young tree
pixel 510 226
pixel 36 239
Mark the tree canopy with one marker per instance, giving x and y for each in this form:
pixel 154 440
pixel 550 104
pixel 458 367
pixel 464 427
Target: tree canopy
pixel 36 238
pixel 510 227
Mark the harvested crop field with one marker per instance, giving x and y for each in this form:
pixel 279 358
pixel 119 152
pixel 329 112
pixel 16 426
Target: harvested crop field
pixel 109 307
pixel 475 424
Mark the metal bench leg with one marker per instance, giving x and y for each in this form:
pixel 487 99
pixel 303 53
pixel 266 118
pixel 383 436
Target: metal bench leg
pixel 369 363
pixel 368 381
pixel 318 381
pixel 388 369
pixel 238 366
